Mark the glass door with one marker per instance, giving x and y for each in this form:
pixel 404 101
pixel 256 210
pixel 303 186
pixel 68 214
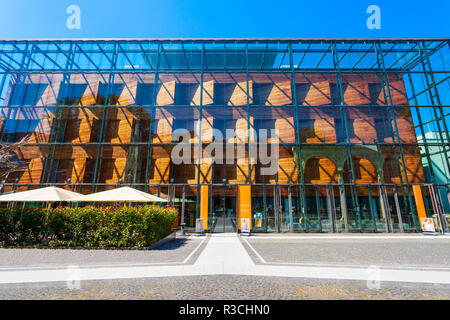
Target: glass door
pixel 224 215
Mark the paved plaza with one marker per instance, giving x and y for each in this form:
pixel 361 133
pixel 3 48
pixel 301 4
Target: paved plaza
pixel 177 251
pixel 220 287
pixel 228 266
pixel 401 252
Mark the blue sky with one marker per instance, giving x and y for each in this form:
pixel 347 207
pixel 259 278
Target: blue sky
pixel 223 18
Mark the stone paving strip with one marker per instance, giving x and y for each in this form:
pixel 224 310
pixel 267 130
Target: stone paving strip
pixel 224 287
pixel 225 254
pixel 175 252
pixel 387 252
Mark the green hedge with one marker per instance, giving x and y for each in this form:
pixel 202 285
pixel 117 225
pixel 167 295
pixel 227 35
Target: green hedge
pixel 139 226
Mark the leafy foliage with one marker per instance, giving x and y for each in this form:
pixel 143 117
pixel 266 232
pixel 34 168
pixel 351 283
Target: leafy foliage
pixel 139 226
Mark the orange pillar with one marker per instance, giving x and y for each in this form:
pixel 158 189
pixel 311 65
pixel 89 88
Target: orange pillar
pixel 418 198
pixel 244 204
pixel 204 205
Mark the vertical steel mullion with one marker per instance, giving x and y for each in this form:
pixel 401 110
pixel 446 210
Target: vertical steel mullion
pixel 331 207
pixel 250 182
pixel 102 134
pixel 265 208
pixel 318 207
pixel 372 212
pixel 378 148
pixel 13 110
pixel 275 208
pixel 291 217
pixel 5 75
pixel 12 94
pixel 429 87
pixel 438 100
pixel 436 208
pixel 422 130
pixel 200 144
pixel 152 120
pixel 22 87
pixel 224 199
pixel 447 191
pixel 183 209
pixel 391 106
pixel 385 204
pixel 159 193
pixel 211 211
pixel 297 152
pixel 441 209
pixel 2 85
pixel 397 208
pixel 21 79
pixel 58 119
pixel 343 113
pixel 21 105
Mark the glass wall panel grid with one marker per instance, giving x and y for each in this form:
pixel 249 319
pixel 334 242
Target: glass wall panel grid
pixel 358 95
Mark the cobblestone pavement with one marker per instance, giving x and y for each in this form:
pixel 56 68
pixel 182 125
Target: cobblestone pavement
pixel 172 252
pixel 225 287
pixel 388 252
pixel 420 253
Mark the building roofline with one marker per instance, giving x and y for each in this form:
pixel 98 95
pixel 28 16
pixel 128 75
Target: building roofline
pixel 226 39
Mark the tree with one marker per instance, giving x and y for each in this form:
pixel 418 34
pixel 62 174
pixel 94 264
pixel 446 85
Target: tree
pixel 8 162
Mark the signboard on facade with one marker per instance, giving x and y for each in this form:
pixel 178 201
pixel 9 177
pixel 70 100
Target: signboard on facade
pixel 427 225
pixel 245 225
pixel 244 205
pixel 258 219
pixel 200 226
pixel 204 198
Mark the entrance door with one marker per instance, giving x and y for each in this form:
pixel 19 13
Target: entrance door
pixel 224 209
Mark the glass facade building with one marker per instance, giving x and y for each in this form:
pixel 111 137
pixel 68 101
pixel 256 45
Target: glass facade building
pixel 357 130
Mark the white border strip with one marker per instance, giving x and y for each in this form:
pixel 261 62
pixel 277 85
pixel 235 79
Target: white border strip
pixel 194 251
pixel 364 274
pixel 254 250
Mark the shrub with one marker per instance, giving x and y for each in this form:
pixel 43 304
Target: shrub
pixel 139 226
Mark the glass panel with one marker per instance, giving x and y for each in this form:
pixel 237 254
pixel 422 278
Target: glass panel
pixel 259 221
pixel 271 89
pixel 224 209
pixel 353 214
pixel 367 210
pixel 284 209
pixel 270 209
pixel 326 208
pixel 235 56
pixel 320 125
pixel 312 221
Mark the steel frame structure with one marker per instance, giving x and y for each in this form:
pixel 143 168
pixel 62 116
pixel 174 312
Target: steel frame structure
pixel 113 58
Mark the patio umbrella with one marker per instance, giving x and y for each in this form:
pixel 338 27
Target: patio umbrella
pixel 48 194
pixel 123 194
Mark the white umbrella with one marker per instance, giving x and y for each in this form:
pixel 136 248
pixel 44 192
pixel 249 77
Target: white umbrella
pixel 48 194
pixel 123 194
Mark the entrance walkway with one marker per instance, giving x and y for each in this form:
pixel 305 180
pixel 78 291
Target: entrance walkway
pixel 224 254
pixel 225 225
